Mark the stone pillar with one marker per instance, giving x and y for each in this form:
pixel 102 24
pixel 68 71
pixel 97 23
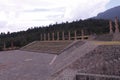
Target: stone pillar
pixel 53 36
pixel 48 36
pixel 75 35
pixel 116 25
pixel 58 36
pixel 110 27
pixel 4 46
pixel 63 37
pixel 44 37
pixel 82 34
pixel 69 36
pixel 41 37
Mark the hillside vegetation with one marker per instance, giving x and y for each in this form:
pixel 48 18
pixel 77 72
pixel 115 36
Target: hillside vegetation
pixel 19 39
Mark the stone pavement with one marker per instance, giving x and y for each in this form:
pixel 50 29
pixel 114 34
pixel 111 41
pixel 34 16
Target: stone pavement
pixel 23 65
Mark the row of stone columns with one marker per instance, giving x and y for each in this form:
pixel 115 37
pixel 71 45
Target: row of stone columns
pixel 4 46
pixel 116 26
pixel 47 36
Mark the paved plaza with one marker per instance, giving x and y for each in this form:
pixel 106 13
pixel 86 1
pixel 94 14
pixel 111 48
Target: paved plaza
pixel 23 65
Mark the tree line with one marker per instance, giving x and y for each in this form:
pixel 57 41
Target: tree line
pixel 21 38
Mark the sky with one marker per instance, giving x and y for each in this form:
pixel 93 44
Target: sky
pixel 17 15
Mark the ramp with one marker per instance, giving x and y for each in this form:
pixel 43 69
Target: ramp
pixel 71 55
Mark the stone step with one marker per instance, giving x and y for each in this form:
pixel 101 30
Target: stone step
pixel 55 47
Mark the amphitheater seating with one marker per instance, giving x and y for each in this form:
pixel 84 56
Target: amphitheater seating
pixel 55 47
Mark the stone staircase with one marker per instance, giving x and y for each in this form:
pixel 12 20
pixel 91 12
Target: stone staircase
pixel 55 47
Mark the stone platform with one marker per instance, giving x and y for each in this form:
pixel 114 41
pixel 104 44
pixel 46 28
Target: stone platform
pixel 84 57
pixel 23 65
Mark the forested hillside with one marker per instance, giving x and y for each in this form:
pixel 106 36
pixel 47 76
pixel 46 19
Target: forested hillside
pixel 22 38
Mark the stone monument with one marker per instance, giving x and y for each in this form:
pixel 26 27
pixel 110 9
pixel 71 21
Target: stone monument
pixel 48 36
pixel 116 35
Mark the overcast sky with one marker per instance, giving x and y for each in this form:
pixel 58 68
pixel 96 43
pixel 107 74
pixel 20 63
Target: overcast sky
pixel 16 15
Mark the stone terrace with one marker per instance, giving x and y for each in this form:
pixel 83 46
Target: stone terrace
pixel 55 47
pixel 89 57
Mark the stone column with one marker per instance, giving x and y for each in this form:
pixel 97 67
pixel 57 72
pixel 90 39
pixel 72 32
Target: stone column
pixel 116 25
pixel 48 36
pixel 58 36
pixel 41 37
pixel 69 36
pixel 4 46
pixel 63 37
pixel 75 37
pixel 82 34
pixel 110 27
pixel 44 37
pixel 53 36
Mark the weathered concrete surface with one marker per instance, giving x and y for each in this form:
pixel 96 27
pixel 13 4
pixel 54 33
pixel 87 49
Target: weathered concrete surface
pixel 70 56
pixel 23 65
